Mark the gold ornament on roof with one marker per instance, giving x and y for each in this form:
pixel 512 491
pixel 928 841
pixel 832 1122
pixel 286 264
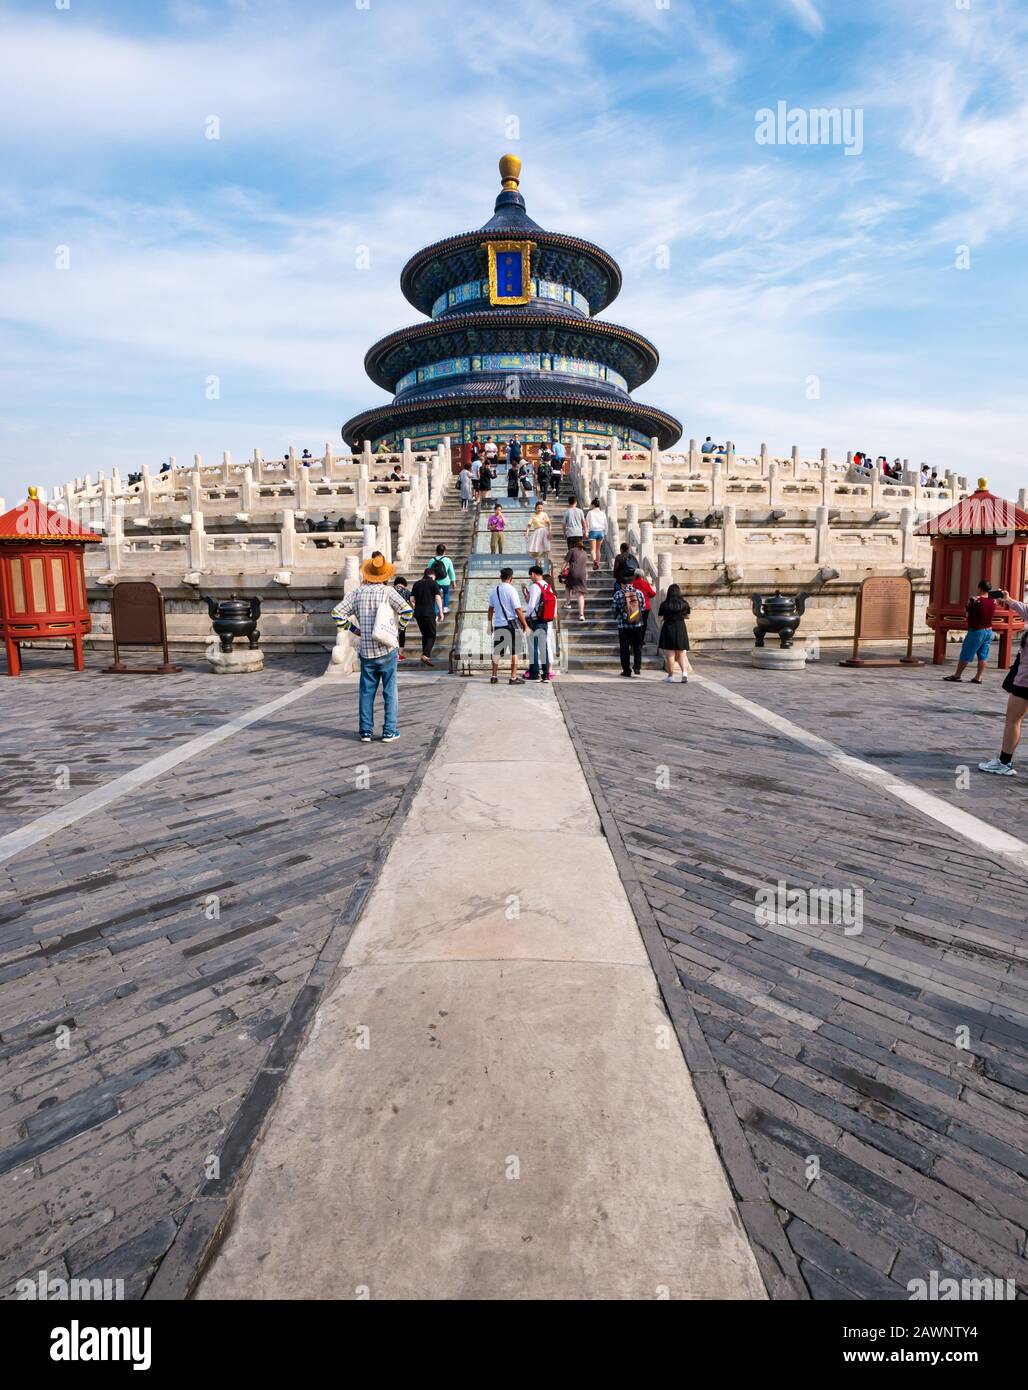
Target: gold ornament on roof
pixel 983 484
pixel 510 171
pixel 33 494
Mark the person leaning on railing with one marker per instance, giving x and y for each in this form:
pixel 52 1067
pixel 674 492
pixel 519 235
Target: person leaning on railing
pixel 1016 686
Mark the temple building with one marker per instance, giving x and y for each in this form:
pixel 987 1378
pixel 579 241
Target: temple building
pixel 513 344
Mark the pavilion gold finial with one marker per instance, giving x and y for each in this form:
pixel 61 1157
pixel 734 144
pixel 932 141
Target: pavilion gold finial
pixel 983 484
pixel 510 171
pixel 33 494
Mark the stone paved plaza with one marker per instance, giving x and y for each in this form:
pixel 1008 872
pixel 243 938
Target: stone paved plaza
pixel 164 960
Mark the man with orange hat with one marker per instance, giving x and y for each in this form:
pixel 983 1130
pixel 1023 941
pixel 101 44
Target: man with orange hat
pixel 377 613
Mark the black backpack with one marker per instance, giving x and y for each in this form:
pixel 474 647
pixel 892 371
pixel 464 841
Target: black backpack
pixel 438 569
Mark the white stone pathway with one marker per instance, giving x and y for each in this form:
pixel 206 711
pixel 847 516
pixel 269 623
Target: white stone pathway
pixel 492 1104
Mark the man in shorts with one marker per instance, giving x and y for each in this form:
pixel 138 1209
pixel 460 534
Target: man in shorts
pixel 506 616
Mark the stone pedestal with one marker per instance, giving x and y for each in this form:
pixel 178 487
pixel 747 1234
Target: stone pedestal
pixel 238 661
pixel 778 658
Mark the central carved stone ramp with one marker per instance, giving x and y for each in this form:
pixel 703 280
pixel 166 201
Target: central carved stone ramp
pixel 492 1103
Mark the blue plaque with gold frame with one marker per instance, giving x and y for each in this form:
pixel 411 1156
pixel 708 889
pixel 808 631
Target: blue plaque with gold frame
pixel 510 271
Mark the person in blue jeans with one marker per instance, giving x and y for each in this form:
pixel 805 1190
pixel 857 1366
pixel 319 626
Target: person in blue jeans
pixel 378 655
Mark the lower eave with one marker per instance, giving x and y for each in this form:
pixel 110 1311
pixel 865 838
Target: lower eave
pixel 391 418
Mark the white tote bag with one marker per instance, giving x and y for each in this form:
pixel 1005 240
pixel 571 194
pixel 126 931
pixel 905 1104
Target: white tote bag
pixel 385 629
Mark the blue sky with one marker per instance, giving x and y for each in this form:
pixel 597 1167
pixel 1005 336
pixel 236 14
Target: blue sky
pixel 345 125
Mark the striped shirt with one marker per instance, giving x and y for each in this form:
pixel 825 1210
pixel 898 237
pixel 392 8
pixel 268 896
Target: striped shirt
pixel 357 613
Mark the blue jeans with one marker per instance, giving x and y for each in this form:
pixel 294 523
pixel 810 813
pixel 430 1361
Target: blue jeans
pixel 373 670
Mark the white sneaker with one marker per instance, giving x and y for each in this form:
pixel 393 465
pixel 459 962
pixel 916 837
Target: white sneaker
pixel 1001 769
pixel 669 680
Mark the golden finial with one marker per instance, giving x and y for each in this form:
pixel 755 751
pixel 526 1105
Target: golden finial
pixel 510 171
pixel 983 484
pixel 33 494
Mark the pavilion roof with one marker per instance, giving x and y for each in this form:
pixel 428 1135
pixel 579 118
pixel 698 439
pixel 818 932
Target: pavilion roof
pixel 33 520
pixel 981 514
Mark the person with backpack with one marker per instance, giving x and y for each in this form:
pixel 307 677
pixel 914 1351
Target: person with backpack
pixel 512 484
pixel 540 613
pixel 556 471
pixel 545 473
pixel 674 636
pixel 575 576
pixel 403 589
pixel 485 482
pixel 427 597
pixel 630 615
pixel 444 575
pixel 514 452
pixel 525 481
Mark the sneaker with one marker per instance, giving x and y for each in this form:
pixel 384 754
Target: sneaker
pixel 669 680
pixel 1001 769
pixel 685 680
pixel 390 738
pixel 402 656
pixel 365 738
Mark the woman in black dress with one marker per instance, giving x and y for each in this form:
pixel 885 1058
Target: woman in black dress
pixel 674 638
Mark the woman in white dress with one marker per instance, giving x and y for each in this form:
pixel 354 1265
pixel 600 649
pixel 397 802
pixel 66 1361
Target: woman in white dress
pixel 538 533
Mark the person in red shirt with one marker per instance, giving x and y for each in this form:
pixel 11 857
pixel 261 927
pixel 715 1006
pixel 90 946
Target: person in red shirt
pixel 975 647
pixel 648 592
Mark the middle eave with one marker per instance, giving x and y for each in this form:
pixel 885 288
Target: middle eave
pixel 635 356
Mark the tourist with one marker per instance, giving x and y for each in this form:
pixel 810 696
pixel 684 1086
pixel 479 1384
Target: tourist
pixel 630 616
pixel 538 533
pixel 165 467
pixel 514 452
pixel 648 592
pixel 396 476
pixel 574 521
pixel 513 483
pixel 505 618
pixel 490 447
pixel 1016 686
pixel 559 453
pixel 556 473
pixel 934 480
pixel 545 475
pixel 427 600
pixel 400 585
pixel 476 473
pixel 446 575
pixel 596 526
pixel 924 475
pixel 526 482
pixel 497 525
pixel 708 446
pixel 623 556
pixel 501 456
pixel 980 610
pixel 540 612
pixel 379 641
pixel 466 482
pixel 485 482
pixel 575 576
pixel 674 636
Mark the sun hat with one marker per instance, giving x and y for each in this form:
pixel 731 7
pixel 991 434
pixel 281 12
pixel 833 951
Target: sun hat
pixel 377 570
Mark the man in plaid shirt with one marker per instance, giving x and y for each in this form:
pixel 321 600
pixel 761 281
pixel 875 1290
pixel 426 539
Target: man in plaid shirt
pixel 358 612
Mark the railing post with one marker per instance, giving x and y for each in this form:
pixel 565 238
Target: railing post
pixel 907 531
pixel 729 536
pixel 226 467
pixel 366 453
pixel 146 489
pixel 197 542
pixel 363 486
pixel 773 485
pixel 384 531
pixel 287 539
pixel 823 539
pixel 408 456
pixel 247 492
pixel 694 457
pixel 369 541
pixel 826 483
pixel 717 483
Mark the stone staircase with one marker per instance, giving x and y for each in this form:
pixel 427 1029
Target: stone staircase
pixel 594 643
pixel 455 529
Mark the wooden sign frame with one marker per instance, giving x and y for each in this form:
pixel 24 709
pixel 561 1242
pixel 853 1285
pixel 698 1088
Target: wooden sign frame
pixel 864 628
pixel 156 635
